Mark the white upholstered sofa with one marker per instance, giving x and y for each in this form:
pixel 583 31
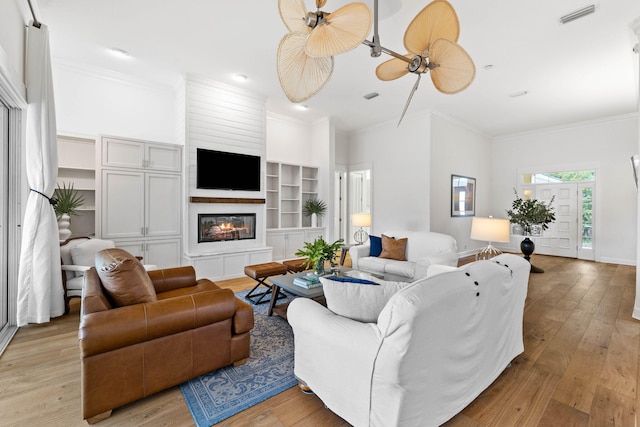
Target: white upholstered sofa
pixel 434 347
pixel 423 249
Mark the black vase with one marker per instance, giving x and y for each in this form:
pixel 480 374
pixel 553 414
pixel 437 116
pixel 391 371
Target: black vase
pixel 527 247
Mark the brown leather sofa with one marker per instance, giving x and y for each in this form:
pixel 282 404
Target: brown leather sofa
pixel 136 346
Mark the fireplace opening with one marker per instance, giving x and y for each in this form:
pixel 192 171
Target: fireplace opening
pixel 223 227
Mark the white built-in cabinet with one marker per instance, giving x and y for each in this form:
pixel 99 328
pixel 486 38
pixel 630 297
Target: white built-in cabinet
pixel 140 199
pixel 77 167
pixel 286 242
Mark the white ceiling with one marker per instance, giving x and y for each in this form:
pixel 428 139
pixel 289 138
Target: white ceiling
pixel 578 71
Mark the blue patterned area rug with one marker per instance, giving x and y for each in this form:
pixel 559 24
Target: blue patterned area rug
pixel 220 394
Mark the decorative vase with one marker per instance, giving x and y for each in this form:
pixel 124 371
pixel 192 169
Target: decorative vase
pixel 517 229
pixel 319 267
pixel 63 227
pixel 527 247
pixel 314 220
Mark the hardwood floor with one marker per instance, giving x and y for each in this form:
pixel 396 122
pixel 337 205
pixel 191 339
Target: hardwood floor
pixel 579 368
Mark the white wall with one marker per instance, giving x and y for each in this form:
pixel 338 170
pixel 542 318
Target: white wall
pixel 459 150
pixel 93 101
pixel 12 37
pixel 399 159
pixel 605 144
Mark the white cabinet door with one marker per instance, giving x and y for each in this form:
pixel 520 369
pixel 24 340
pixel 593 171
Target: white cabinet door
pixel 135 248
pixel 163 207
pixel 122 204
pixel 295 241
pixel 122 153
pixel 285 244
pixel 278 242
pixel 164 253
pixel 163 157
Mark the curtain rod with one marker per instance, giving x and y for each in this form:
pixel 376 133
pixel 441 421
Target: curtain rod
pixel 36 23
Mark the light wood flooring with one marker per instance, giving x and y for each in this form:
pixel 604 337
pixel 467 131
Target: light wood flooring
pixel 579 368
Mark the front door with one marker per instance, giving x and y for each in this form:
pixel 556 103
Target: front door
pixel 561 238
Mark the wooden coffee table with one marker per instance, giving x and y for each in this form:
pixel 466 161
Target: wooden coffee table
pixel 285 282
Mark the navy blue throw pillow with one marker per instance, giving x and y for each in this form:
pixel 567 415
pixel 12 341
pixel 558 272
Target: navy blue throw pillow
pixel 375 245
pixel 351 280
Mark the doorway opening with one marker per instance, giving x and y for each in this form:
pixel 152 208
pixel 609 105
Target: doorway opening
pixel 573 193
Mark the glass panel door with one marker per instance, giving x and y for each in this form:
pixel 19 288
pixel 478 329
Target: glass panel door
pixel 586 236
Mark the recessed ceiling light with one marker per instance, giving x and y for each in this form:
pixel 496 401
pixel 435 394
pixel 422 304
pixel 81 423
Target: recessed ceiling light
pixel 240 78
pixel 517 94
pixel 371 95
pixel 121 53
pixel 301 107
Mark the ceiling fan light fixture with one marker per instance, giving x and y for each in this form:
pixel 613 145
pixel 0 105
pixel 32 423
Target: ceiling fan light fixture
pixel 578 14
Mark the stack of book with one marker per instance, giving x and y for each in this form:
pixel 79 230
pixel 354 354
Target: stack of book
pixel 308 282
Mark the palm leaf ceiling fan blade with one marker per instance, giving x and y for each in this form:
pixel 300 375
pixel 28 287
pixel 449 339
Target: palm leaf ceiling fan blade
pixel 392 69
pixel 293 14
pixel 406 106
pixel 438 20
pixel 454 70
pixel 344 29
pixel 300 75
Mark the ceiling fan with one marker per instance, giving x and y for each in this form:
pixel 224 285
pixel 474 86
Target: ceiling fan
pixel 431 40
pixel 305 54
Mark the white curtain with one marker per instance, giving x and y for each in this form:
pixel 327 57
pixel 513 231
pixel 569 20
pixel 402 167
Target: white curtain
pixel 40 292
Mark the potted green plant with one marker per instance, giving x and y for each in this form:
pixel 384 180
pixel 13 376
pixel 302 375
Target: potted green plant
pixel 67 202
pixel 318 252
pixel 314 208
pixel 530 212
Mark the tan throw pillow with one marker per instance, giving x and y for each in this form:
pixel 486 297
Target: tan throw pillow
pixel 393 248
pixel 124 278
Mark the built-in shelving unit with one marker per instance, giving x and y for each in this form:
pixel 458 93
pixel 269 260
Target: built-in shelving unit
pixel 76 166
pixel 288 188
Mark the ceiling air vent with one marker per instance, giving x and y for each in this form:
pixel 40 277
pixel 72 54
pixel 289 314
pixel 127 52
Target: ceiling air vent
pixel 578 14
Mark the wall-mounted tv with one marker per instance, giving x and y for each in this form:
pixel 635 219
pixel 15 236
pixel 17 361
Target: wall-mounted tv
pixel 219 170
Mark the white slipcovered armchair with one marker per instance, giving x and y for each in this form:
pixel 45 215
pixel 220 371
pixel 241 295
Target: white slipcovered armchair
pixel 77 255
pixel 436 345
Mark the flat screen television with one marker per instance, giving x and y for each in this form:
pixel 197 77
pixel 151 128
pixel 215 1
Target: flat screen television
pixel 219 170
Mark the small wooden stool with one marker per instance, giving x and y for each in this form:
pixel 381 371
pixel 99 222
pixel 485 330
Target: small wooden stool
pixel 259 273
pixel 295 265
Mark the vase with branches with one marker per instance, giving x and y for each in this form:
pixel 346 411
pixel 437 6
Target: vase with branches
pixel 529 212
pixel 314 208
pixel 67 202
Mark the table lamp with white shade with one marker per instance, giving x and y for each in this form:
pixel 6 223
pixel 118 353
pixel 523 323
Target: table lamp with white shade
pixel 361 220
pixel 489 230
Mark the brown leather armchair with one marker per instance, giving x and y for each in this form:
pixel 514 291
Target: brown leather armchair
pixel 132 351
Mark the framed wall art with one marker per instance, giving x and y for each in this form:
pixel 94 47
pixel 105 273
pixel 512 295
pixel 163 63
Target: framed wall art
pixel 463 196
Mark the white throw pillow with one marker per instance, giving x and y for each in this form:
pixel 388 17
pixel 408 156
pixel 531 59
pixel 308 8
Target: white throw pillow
pixel 357 300
pixel 85 252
